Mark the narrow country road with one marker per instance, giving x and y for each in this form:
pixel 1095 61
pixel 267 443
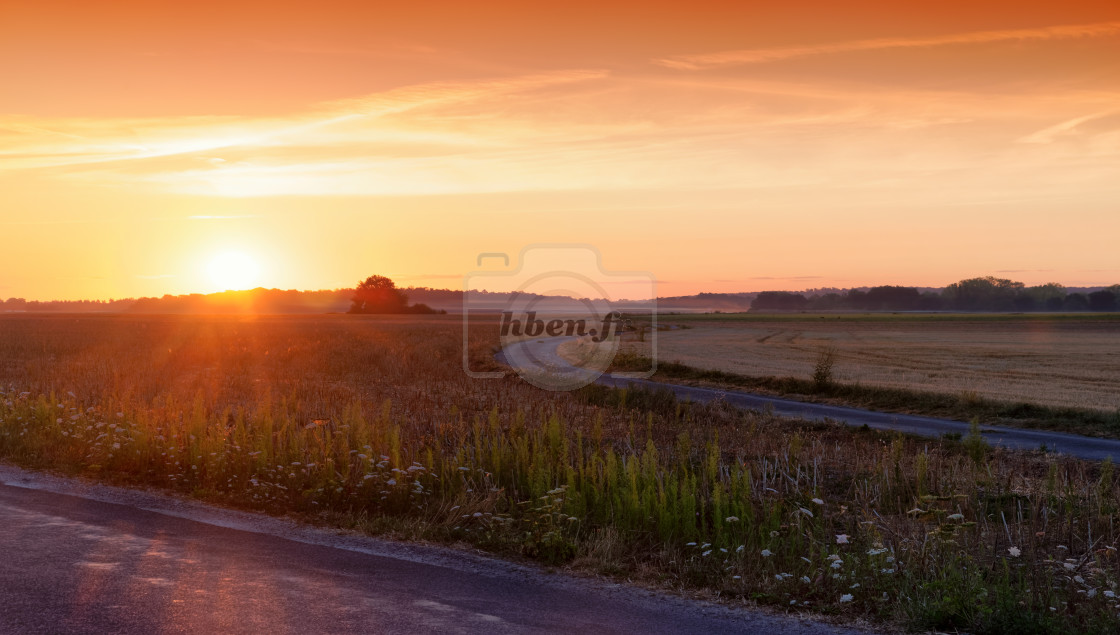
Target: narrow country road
pixel 544 352
pixel 84 558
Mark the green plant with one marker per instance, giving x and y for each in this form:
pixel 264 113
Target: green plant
pixel 822 370
pixel 974 443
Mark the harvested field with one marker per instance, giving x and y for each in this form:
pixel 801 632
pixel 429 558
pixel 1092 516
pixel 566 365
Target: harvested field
pixel 1070 362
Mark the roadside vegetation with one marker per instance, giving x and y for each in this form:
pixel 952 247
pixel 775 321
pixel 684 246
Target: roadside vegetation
pixel 369 423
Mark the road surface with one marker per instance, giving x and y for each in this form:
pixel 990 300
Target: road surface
pixel 85 558
pixel 543 352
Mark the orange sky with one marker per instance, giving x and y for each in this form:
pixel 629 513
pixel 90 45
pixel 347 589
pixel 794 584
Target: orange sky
pixel 721 146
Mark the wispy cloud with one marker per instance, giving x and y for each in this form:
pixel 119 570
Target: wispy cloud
pixel 589 131
pixel 758 56
pixel 1047 135
pixel 160 276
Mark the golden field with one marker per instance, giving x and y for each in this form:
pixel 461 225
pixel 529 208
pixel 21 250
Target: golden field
pixel 1052 361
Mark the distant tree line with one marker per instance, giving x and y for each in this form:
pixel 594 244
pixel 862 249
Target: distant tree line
pixel 975 294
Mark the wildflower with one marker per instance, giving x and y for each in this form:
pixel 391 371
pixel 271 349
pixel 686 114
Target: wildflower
pixel 805 579
pixel 847 597
pixel 1014 551
pixel 1109 594
pixel 705 554
pixel 1091 593
pixel 818 501
pixel 834 557
pixel 841 539
pixel 916 511
pixel 837 564
pixel 732 519
pixel 955 516
pixel 766 553
pixel 690 544
pixel 805 511
pixel 1078 579
pixel 1068 566
pixel 736 577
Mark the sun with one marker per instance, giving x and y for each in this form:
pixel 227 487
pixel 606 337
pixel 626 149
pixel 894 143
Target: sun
pixel 233 271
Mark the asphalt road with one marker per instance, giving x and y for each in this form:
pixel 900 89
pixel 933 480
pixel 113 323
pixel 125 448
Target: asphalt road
pixel 544 353
pixel 83 558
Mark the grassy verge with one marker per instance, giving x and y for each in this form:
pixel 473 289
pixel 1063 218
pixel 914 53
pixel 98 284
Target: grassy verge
pixel 964 407
pixel 374 425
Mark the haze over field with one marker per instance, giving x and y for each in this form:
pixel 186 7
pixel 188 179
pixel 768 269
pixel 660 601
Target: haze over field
pixel 188 148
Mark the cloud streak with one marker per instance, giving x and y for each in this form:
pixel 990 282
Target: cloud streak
pixel 761 56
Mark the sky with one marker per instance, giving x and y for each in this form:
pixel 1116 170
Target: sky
pixel 149 148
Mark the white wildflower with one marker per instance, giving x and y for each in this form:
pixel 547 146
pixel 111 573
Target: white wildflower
pixel 732 519
pixel 1014 551
pixel 841 539
pixel 766 553
pixel 818 501
pixel 847 597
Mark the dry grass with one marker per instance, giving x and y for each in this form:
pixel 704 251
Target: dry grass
pixel 371 422
pixel 1058 363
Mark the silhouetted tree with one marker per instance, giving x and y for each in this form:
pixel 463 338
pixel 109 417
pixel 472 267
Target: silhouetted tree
pixel 779 301
pixel 982 294
pixel 892 298
pixel 1044 294
pixel 378 294
pixel 1102 301
pixel 1076 302
pixel 930 301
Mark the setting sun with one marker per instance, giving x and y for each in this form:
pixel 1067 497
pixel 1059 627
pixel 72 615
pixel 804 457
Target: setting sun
pixel 233 271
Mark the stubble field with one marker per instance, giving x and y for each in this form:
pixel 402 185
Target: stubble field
pixel 1063 361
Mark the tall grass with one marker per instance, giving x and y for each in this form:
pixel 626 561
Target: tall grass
pixel 370 423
